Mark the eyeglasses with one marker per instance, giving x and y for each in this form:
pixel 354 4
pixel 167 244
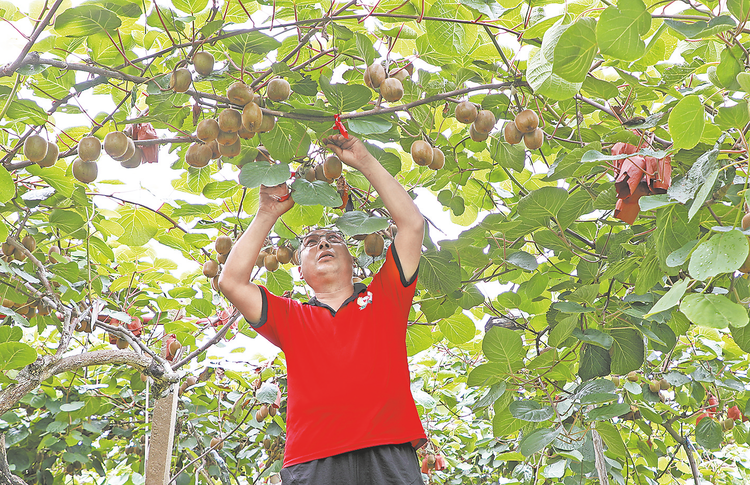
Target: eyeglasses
pixel 312 240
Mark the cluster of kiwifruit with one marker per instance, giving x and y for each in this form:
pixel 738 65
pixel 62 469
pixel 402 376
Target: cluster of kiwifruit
pixel 121 148
pixel 328 171
pixel 390 86
pixel 36 149
pixel 482 121
pixel 10 252
pixel 189 381
pixel 264 411
pixel 28 308
pixel 222 245
pixel 135 326
pixel 203 62
pixel 271 258
pixel 525 127
pixel 426 156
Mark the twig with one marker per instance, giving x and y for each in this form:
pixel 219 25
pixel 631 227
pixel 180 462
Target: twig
pixel 11 68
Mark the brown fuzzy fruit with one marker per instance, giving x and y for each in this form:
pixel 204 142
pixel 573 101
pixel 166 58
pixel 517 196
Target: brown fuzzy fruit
pixel 284 254
pixel 512 135
pixel 392 90
pixel 632 376
pixel 421 153
pixel 210 268
pixel 252 117
pixel 374 244
pixel 466 112
pixel 35 148
pixel 116 144
pixel 319 175
pixel 332 167
pixel 85 172
pixel 263 411
pixel 269 121
pixel 204 63
pixel 198 155
pixel 217 443
pixel 180 80
pixel 534 139
pixel 244 133
pixel 278 90
pixel 310 175
pixel 485 121
pixel 223 244
pixel 231 150
pixel 240 93
pixel 261 259
pixel 122 344
pixel 438 159
pixel 654 386
pixel 191 381
pixel 230 120
pixel 129 151
pixel 207 130
pixel 174 347
pixel 664 385
pixel 226 138
pixel 527 121
pixel 89 148
pixel 222 258
pixel 134 160
pixel 215 284
pixel 51 157
pixel 727 424
pixel 271 262
pixel 215 153
pixel 475 135
pixel 746 221
pixel 9 249
pixel 29 242
pixel 400 74
pixel 375 74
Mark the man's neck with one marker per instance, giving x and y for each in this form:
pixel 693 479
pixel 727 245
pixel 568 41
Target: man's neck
pixel 334 297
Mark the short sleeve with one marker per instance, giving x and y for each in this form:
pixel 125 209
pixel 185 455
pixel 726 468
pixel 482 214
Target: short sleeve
pixel 391 283
pixel 274 319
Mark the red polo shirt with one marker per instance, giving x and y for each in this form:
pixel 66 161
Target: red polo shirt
pixel 347 370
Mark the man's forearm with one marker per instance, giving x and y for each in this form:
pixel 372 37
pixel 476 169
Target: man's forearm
pixel 400 205
pixel 239 266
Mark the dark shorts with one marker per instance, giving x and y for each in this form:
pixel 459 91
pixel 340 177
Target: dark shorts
pixel 378 465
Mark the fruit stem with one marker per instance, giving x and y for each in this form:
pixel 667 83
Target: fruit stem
pixel 12 96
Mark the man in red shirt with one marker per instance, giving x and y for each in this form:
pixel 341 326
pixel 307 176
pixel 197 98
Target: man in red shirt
pixel 351 418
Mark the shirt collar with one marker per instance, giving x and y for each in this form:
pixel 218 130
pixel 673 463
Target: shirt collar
pixel 359 288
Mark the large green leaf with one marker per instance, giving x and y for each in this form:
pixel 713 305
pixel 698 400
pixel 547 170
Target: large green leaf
pixel 595 362
pixel 539 73
pixel 715 311
pixel 627 352
pixel 611 437
pixel 538 440
pixel 254 174
pixel 451 38
pixel 670 299
pixel 345 97
pixel 620 29
pixel 315 193
pixel 86 20
pixel 251 43
pixel 504 346
pixel 686 122
pixel 138 224
pixel 575 51
pixel 15 355
pixel 458 328
pixel 287 140
pixel 418 338
pixel 673 230
pixel 542 204
pixel 530 410
pixel 725 252
pixel 486 375
pixel 702 29
pixel 438 272
pixel 708 433
pixel 353 223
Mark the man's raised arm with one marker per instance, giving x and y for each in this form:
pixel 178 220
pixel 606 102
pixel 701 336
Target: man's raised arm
pixel 404 212
pixel 234 281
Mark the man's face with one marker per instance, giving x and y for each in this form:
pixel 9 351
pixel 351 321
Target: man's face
pixel 324 254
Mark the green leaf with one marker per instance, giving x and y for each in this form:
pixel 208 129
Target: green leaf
pixel 505 347
pixel 627 352
pixel 279 281
pixel 725 252
pixel 315 193
pixel 539 71
pixel 200 307
pixel 138 225
pixel 530 410
pixel 620 28
pixel 739 8
pixel 702 29
pixel 66 221
pixel 365 48
pixel 221 190
pixel 562 330
pixel 345 97
pixel 608 412
pixel 670 299
pixel 55 177
pixel 595 362
pixel 10 334
pixel 575 51
pixel 251 43
pixel 370 125
pixel 508 156
pixel 353 223
pixel 489 8
pixel 612 438
pixel 686 122
pixel 541 204
pixel 450 38
pixel 288 140
pixel 458 328
pixel 190 6
pixel 708 433
pixel 26 111
pixel 16 355
pixel 86 20
pixel 486 375
pixel 593 336
pixel 418 338
pixel 673 230
pixel 703 193
pixel 7 187
pixel 254 174
pixel 523 260
pixel 538 440
pixel 438 272
pixel 714 311
pixel 736 116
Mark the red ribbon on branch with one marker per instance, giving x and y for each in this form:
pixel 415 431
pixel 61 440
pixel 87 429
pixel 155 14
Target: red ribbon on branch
pixel 340 126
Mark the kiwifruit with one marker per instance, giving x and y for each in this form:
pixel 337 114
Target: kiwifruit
pixel 29 242
pixel 252 117
pixel 421 153
pixel 332 167
pixel 223 244
pixel 260 261
pixel 180 80
pixel 527 121
pixel 664 385
pixel 245 134
pixel 240 93
pixel 85 172
pixel 392 90
pixel 274 479
pixel 122 344
pixel 51 157
pixel 35 148
pixel 466 112
pixel 310 174
pixel 129 151
pixel 89 148
pixel 215 153
pixel 217 443
pixel 374 244
pixel 284 254
pixel 204 63
pixel 210 268
pixel 174 347
pixel 654 386
pixel 266 443
pixel 438 159
pixel 116 144
pixel 534 139
pixel 319 175
pixel 198 155
pixel 226 138
pixel 52 250
pixel 727 424
pixel 8 249
pixel 231 150
pixel 263 411
pixel 135 160
pixel 215 283
pixel 400 74
pixel 632 376
pixel 269 121
pixel 278 90
pixel 191 381
pixel 475 135
pixel 19 256
pixel 485 121
pixel 230 120
pixel 207 130
pixel 375 74
pixel 222 258
pixel 271 262
pixel 410 68
pixel 512 135
pixel 746 221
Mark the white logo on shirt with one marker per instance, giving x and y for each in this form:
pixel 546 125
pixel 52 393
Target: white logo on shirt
pixel 364 300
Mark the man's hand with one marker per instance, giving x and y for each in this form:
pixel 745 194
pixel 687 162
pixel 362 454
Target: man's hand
pixel 351 151
pixel 274 201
